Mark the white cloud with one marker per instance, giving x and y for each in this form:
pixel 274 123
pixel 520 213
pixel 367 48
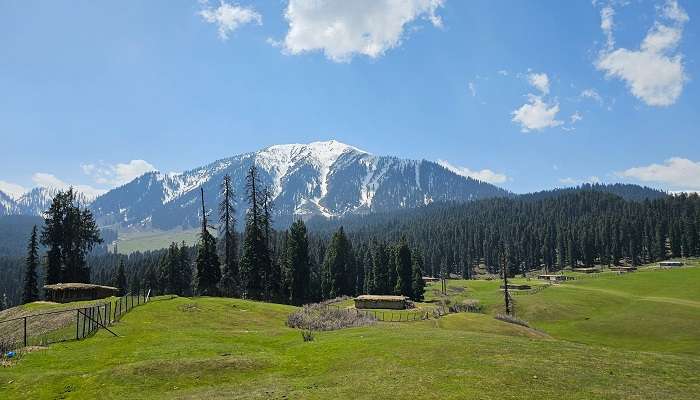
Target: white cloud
pixel 503 72
pixel 472 89
pixel 593 95
pixel 575 117
pixel 574 182
pixel 539 81
pixel 51 181
pixel 485 175
pixel 606 24
pixel 229 17
pixel 676 173
pixel 342 28
pixel 536 114
pixel 654 73
pixel 119 174
pixel 12 189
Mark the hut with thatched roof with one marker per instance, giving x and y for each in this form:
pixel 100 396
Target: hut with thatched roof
pixel 384 302
pixel 68 292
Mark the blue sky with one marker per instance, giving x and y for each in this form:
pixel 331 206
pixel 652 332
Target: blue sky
pixel 528 95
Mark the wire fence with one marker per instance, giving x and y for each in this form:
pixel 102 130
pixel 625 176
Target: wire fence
pixel 44 328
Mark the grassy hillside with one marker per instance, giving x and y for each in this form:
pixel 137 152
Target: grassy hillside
pixel 652 309
pixel 154 240
pixel 225 348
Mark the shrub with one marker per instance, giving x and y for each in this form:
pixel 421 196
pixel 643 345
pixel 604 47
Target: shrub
pixel 307 335
pixel 321 317
pixel 469 305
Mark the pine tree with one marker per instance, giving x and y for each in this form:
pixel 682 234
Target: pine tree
pixel 298 263
pixel 184 264
pixel 417 283
pixel 404 270
pixel 230 279
pixel 135 283
pixel 256 256
pixel 380 268
pixel 70 233
pixel 208 268
pixel 339 268
pixel 120 279
pixel 151 280
pixel 31 289
pixel 270 268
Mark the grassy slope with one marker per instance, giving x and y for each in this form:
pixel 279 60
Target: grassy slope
pixel 640 341
pixel 226 348
pixel 655 310
pixel 154 240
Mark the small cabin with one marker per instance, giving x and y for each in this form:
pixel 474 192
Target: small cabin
pixel 554 278
pixel 670 264
pixel 429 279
pixel 69 292
pixel 367 301
pixel 589 270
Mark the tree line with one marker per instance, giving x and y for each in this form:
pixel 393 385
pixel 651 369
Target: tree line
pixel 386 253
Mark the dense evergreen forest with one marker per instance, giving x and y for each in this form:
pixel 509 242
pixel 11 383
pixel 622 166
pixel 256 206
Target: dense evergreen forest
pixel 387 253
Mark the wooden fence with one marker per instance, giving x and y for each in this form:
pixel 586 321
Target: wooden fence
pixel 68 324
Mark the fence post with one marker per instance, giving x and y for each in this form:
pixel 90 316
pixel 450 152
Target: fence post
pixel 77 324
pixel 25 331
pixel 83 333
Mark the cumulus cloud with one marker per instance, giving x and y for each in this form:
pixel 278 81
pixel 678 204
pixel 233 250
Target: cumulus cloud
pixel 676 173
pixel 607 15
pixel 575 117
pixel 654 73
pixel 228 17
pixel 593 95
pixel 485 175
pixel 342 28
pixel 536 114
pixel 119 174
pixel 574 182
pixel 46 180
pixel 539 81
pixel 12 189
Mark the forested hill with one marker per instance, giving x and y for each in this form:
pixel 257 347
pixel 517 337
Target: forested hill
pixel 624 190
pixel 14 233
pixel 576 228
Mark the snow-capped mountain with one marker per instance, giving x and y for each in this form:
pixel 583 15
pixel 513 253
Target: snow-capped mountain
pixel 8 206
pixel 320 178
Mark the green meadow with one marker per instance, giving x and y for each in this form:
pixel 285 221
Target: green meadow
pixel 635 336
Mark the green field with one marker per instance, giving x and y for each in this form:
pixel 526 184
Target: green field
pixel 635 336
pixel 154 240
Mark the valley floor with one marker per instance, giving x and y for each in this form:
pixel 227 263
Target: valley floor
pixel 617 337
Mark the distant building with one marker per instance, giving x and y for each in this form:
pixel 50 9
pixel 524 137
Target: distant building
pixel 666 264
pixel 69 292
pixel 587 270
pixel 367 301
pixel 554 278
pixel 428 279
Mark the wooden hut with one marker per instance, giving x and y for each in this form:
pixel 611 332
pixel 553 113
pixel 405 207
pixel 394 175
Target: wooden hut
pixel 587 270
pixel 670 264
pixel 554 277
pixel 385 302
pixel 69 292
